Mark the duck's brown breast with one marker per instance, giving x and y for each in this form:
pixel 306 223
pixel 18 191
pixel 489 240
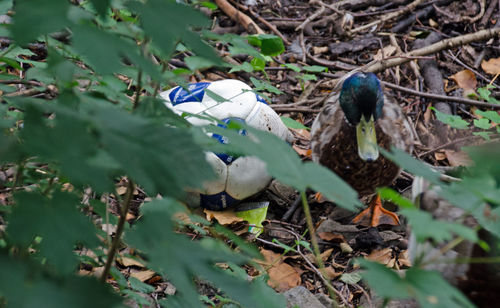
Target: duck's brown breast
pixel 341 156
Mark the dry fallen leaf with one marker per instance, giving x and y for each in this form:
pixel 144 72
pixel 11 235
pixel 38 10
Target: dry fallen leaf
pixel 403 259
pixel 439 155
pixel 301 133
pixel 331 237
pixel 282 276
pixel 385 52
pixel 126 261
pixel 320 50
pixel 302 152
pixel 142 275
pixel 382 256
pixel 331 273
pixel 459 158
pixel 466 80
pixel 492 66
pixel 223 217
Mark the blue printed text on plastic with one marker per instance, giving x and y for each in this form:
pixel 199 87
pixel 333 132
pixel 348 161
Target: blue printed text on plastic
pixel 228 158
pixel 193 93
pixel 260 99
pixel 217 202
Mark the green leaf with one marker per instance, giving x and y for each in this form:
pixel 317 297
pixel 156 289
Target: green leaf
pixel 165 159
pixel 410 164
pixel 264 86
pixel 26 284
pixel 209 5
pixel 171 254
pixel 432 290
pixel 482 123
pixel 484 135
pixel 258 64
pixel 99 208
pixel 101 6
pixel 452 120
pixel 36 12
pixel 428 287
pixel 490 115
pixel 271 45
pixel 182 19
pixel 245 66
pixel 198 63
pixel 350 278
pixel 5 6
pixel 291 123
pixel 57 220
pixel 65 140
pixel 104 51
pixel 306 77
pixel 391 195
pixel 425 227
pixel 485 94
pixel 315 69
pixel 155 109
pixel 140 286
pixel 118 277
pixel 384 281
pixel 293 67
pixel 216 97
pixel 11 62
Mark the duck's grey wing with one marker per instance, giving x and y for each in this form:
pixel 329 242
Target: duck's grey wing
pixel 326 124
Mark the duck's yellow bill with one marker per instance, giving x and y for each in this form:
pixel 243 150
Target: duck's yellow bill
pixel 367 139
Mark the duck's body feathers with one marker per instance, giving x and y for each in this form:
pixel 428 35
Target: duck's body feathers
pixel 334 145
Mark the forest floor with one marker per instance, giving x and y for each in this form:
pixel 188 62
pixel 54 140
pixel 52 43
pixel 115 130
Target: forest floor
pixel 438 53
pixel 344 36
pixel 392 39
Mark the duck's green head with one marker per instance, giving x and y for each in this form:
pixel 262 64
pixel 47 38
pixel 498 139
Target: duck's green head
pixel 362 99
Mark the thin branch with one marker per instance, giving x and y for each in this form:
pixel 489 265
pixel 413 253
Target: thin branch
pixel 119 229
pixel 314 241
pixel 239 17
pixel 269 25
pixel 412 6
pixel 320 11
pixel 439 97
pixel 432 49
pixel 286 109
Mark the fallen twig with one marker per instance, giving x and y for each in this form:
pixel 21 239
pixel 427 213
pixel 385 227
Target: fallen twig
pixel 238 16
pixel 387 17
pixel 460 100
pixel 431 49
pixel 313 16
pixel 270 26
pixel 27 92
pixel 287 109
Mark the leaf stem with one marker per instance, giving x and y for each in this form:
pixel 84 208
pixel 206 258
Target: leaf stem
pixel 137 89
pixel 119 230
pixel 317 254
pixel 18 176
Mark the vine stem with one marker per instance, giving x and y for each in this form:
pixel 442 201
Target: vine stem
pixel 119 230
pixel 314 241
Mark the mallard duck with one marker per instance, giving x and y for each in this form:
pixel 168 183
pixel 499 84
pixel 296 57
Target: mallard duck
pixel 346 136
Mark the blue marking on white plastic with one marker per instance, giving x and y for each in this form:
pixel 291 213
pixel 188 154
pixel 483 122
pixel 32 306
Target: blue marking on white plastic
pixel 193 93
pixel 227 158
pixel 217 202
pixel 260 99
